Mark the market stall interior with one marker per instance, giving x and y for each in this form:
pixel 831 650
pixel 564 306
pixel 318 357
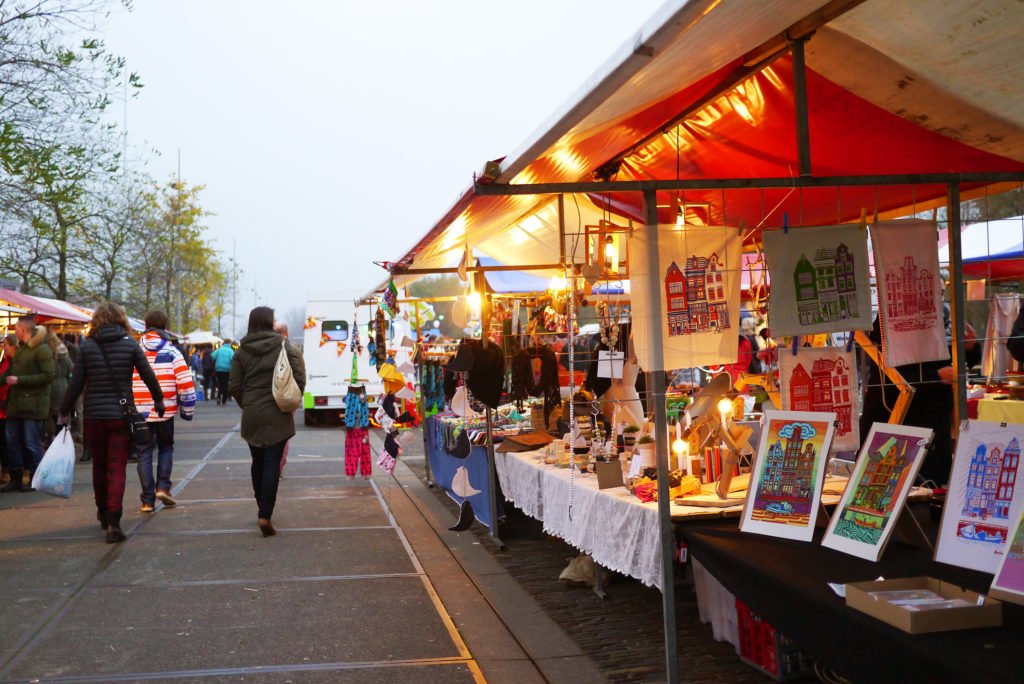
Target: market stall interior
pixel 796 131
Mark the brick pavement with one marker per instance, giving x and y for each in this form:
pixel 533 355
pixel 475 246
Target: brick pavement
pixel 623 634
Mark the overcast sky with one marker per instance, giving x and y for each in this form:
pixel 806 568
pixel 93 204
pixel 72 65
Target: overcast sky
pixel 332 133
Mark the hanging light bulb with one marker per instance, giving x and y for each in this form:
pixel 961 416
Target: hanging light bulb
pixel 681 217
pixel 473 299
pixel 611 254
pixel 557 283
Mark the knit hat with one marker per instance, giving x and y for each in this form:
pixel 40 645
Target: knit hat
pixel 393 380
pixel 463 361
pixel 487 376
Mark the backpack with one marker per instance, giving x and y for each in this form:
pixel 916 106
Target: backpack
pixel 287 395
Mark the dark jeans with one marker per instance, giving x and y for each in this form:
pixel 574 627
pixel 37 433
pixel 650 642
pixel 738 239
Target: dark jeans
pixel 208 383
pixel 222 387
pixel 162 438
pixel 3 443
pixel 24 443
pixel 266 472
pixel 109 443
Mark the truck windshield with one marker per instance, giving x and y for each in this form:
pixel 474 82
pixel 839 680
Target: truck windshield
pixel 336 331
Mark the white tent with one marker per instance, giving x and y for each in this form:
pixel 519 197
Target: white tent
pixel 197 337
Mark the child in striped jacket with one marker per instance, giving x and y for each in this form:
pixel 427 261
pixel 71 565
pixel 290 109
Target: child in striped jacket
pixel 179 399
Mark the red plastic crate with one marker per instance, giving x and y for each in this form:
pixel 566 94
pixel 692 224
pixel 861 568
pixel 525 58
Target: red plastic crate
pixel 770 652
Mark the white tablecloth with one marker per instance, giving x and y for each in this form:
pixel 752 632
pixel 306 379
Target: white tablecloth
pixel 613 526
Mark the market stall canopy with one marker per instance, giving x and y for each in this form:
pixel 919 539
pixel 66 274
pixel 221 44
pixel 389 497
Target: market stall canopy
pixel 705 91
pixel 991 249
pixel 197 337
pixel 47 310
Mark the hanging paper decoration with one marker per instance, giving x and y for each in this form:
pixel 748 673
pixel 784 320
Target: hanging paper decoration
pixel 389 299
pixel 324 339
pixel 909 292
pixel 819 280
pixel 341 349
pixel 823 379
pixel 311 322
pixel 985 496
pixel 699 287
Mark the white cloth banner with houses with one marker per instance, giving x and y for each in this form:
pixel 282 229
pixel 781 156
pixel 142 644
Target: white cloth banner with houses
pixel 909 292
pixel 823 379
pixel 819 280
pixel 698 271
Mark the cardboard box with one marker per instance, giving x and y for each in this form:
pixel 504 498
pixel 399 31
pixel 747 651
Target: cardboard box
pixel 983 611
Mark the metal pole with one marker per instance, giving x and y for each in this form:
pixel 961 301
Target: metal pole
pixel 803 138
pixel 656 391
pixel 561 229
pixel 422 403
pixel 957 306
pixel 492 478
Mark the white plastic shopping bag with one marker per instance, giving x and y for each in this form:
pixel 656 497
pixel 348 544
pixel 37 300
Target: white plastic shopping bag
pixel 57 469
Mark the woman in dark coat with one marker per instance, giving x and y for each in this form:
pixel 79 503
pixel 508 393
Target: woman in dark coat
pixel 264 426
pixel 105 383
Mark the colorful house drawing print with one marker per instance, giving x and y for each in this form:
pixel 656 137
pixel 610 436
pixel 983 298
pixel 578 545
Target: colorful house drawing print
pixel 910 297
pixel 867 513
pixel 1011 576
pixel 826 289
pixel 991 480
pixel 696 300
pixel 826 388
pixel 785 489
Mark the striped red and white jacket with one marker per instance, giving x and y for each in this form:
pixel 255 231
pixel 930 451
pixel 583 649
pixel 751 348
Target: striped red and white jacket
pixel 174 377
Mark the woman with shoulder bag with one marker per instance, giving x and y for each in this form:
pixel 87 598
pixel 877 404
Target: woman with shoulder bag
pixel 264 425
pixel 106 359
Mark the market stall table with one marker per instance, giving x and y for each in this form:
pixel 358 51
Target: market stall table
pixel 785 583
pixel 1004 410
pixel 618 530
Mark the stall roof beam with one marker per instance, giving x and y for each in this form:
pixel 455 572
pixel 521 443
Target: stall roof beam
pixel 803 130
pixel 473 269
pixel 500 189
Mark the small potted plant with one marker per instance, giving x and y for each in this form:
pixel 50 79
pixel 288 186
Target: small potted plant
pixel 629 434
pixel 645 451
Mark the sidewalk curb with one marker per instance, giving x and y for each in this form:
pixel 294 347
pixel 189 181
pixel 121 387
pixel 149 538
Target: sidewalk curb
pixel 538 638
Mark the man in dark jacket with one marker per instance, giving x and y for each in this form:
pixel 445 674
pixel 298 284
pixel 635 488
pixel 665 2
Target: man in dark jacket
pixel 28 401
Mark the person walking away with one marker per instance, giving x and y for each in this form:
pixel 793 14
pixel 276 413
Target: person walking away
pixel 281 328
pixel 209 374
pixel 222 356
pixel 179 397
pixel 7 347
pixel 195 364
pixel 28 401
pixel 106 360
pixel 61 375
pixel 264 426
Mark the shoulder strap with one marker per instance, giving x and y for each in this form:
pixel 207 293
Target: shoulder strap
pixel 110 371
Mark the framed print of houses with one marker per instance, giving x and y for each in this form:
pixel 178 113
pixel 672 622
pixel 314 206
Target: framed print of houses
pixel 698 270
pixel 819 279
pixel 789 468
pixel 983 497
pixel 1008 583
pixel 909 292
pixel 885 471
pixel 823 379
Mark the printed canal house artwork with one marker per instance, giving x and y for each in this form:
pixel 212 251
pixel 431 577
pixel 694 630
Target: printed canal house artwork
pixel 696 298
pixel 826 388
pixel 910 297
pixel 785 491
pixel 826 288
pixel 991 480
pixel 890 460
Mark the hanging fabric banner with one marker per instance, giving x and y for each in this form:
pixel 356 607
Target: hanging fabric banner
pixel 819 280
pixel 909 292
pixel 698 271
pixel 823 379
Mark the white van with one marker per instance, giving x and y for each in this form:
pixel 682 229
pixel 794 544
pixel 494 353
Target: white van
pixel 328 375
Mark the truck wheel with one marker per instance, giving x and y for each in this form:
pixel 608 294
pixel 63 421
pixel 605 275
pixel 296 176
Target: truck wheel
pixel 309 418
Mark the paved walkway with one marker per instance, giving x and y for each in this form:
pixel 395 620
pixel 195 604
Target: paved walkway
pixel 362 583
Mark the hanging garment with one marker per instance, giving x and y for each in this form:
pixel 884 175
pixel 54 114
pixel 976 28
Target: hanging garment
pixel 819 279
pixel 357 452
pixel 909 292
pixel 357 411
pixel 698 274
pixel 1002 312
